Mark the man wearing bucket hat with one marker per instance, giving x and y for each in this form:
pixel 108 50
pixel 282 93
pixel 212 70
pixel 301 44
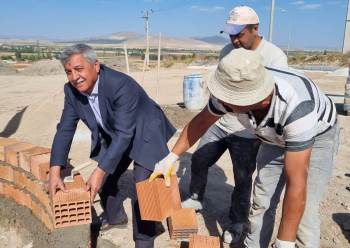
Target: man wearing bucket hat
pixel 228 134
pixel 296 123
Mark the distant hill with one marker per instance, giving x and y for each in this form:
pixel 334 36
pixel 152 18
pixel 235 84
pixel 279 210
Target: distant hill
pixel 114 38
pixel 136 40
pixel 132 40
pixel 216 39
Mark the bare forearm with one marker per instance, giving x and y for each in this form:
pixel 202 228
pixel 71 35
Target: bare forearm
pixel 293 209
pixel 185 141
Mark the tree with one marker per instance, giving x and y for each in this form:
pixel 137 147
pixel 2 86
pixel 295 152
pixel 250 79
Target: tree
pixel 18 55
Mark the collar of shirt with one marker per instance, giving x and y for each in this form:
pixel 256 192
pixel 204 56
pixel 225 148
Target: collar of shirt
pixel 94 91
pixel 267 116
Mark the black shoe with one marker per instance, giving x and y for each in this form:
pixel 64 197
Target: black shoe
pixel 105 226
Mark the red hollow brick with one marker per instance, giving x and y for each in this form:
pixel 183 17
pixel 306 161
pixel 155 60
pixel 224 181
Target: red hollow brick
pixel 157 201
pixel 182 223
pixel 72 207
pixel 36 210
pixel 9 191
pixel 12 152
pixel 2 188
pixel 42 154
pixel 39 213
pixel 20 179
pixel 47 220
pixel 3 143
pixel 41 194
pixel 78 183
pixel 40 171
pixel 6 173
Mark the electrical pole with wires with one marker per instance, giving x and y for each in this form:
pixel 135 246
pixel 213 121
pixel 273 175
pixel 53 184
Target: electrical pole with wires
pixel 146 16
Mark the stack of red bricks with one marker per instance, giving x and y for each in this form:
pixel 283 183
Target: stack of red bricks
pixel 182 224
pixel 158 202
pixel 23 173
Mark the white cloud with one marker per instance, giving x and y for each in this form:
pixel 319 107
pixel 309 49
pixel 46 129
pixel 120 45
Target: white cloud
pixel 207 9
pixel 298 3
pixel 311 6
pixel 105 1
pixel 303 5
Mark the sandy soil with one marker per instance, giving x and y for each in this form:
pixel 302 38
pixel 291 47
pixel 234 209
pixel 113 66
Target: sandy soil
pixel 31 107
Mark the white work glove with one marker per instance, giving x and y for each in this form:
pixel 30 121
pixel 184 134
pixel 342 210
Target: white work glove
pixel 283 244
pixel 165 167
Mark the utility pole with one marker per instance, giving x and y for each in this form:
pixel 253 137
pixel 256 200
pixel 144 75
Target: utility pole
pixel 38 49
pixel 146 16
pixel 346 40
pixel 272 13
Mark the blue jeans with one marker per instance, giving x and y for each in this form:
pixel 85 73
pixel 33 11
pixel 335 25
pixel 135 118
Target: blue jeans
pixel 269 184
pixel 243 155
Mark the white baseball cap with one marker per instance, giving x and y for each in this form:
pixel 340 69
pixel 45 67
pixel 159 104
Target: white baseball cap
pixel 241 78
pixel 239 17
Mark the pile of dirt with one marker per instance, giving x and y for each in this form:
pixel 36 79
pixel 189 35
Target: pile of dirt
pixel 7 69
pixel 32 233
pixel 44 68
pixel 178 115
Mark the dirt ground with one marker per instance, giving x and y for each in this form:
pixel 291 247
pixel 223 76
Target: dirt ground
pixel 30 107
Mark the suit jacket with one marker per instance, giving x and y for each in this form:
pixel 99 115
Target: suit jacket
pixel 136 125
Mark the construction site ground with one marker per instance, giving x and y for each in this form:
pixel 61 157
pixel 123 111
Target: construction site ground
pixel 30 109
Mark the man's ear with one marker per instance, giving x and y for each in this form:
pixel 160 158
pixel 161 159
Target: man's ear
pixel 256 29
pixel 97 66
pixel 266 102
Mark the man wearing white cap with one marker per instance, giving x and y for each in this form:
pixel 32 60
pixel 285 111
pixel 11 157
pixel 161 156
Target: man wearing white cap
pixel 297 124
pixel 227 133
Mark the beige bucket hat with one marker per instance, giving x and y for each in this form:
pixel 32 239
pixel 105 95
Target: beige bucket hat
pixel 241 78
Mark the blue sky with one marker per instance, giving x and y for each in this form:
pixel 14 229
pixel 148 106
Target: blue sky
pixel 310 23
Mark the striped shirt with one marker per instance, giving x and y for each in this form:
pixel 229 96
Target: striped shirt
pixel 298 112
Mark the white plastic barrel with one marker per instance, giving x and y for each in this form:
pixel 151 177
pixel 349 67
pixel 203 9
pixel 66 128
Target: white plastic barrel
pixel 194 92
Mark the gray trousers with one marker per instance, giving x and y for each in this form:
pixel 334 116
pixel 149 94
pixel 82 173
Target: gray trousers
pixel 243 153
pixel 270 182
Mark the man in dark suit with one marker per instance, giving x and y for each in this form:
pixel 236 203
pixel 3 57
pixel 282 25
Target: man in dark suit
pixel 126 126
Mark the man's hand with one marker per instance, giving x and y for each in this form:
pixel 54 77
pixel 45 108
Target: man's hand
pixel 165 167
pixel 55 181
pixel 95 182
